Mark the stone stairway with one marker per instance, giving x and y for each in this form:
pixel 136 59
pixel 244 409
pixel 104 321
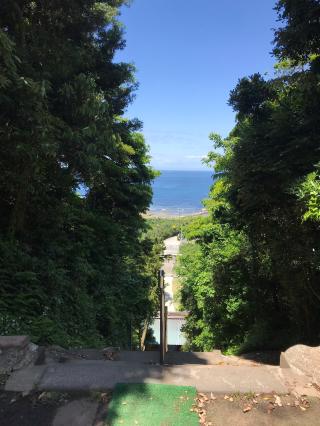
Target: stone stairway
pixel 86 370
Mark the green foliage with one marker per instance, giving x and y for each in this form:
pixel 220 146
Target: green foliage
pixel 73 270
pixel 159 229
pixel 250 279
pixel 309 192
pixel 299 37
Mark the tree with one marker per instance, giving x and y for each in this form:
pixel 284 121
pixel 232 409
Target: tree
pixel 262 252
pixel 73 269
pixel 299 38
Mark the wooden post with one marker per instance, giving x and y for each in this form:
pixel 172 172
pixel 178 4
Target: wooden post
pixel 166 329
pixel 162 317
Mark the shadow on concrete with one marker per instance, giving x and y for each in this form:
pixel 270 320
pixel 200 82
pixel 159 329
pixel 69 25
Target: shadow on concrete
pixel 263 357
pixel 173 357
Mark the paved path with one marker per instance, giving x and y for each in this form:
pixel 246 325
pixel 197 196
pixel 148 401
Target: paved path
pixel 172 247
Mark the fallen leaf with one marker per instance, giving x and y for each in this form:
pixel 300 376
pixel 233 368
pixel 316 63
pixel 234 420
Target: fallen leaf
pixel 255 401
pixel 278 400
pixel 42 395
pixel 226 397
pixel 212 397
pixel 302 408
pixel 305 403
pixel 202 420
pixel 317 387
pixel 231 399
pixel 247 408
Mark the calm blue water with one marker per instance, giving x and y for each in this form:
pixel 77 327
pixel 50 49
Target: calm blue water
pixel 182 191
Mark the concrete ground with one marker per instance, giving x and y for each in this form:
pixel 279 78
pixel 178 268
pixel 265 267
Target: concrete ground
pixel 258 410
pixel 80 412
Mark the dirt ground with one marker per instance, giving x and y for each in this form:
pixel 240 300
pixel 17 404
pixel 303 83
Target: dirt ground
pixel 256 409
pixel 40 408
pixel 16 409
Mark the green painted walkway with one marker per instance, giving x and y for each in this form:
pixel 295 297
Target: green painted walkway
pixel 152 405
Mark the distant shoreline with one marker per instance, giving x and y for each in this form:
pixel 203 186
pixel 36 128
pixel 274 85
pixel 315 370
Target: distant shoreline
pixel 167 215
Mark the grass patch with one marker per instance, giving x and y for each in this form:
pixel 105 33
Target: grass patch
pixel 160 229
pixel 152 405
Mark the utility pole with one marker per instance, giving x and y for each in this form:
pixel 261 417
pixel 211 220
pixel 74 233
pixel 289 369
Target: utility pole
pixel 162 318
pixel 180 211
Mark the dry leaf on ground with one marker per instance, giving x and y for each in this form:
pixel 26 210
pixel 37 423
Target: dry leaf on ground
pixel 278 400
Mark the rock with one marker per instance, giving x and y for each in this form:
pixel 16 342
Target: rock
pixel 16 352
pixel 9 342
pixel 111 353
pixel 303 360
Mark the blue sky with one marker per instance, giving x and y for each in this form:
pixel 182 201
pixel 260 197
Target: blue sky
pixel 189 54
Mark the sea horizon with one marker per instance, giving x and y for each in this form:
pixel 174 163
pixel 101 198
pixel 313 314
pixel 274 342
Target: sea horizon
pixel 180 192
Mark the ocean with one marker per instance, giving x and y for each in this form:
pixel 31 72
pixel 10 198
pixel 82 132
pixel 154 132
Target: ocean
pixel 180 192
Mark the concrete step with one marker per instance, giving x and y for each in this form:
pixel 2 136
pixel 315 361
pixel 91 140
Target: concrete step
pixel 173 358
pixel 218 379
pixel 103 375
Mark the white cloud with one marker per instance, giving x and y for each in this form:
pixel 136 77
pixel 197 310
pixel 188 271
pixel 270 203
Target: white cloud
pixel 195 157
